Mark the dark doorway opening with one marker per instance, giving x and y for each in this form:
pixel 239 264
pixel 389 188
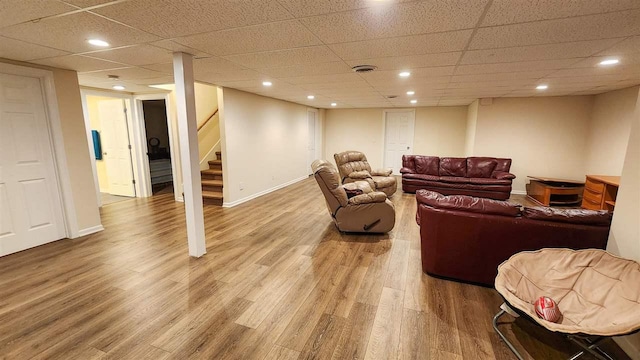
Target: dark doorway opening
pixel 157 131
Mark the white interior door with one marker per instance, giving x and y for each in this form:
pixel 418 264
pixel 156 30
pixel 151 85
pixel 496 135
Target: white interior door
pixel 30 206
pixel 311 116
pixel 398 138
pixel 116 149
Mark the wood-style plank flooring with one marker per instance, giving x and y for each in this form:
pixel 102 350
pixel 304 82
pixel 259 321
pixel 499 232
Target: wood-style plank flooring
pixel 278 282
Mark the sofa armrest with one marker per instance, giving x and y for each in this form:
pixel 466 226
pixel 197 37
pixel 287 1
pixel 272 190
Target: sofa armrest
pixel 406 170
pixel 359 175
pixel 362 185
pixel 372 197
pixel 381 172
pixel 502 175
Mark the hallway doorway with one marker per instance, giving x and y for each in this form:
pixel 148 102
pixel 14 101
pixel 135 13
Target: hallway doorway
pixel 158 145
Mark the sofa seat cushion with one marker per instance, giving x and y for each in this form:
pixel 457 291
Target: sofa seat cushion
pixel 467 203
pixel 450 166
pixel 435 185
pixel 480 167
pixel 572 216
pixel 384 181
pixel 421 177
pixel 454 179
pixel 489 181
pixel 427 165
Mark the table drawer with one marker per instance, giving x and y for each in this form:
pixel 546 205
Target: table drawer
pixel 592 197
pixel 596 187
pixel 586 204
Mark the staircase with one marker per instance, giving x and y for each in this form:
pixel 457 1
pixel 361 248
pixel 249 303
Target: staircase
pixel 212 182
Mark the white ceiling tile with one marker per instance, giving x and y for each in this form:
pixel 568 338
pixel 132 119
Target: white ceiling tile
pixel 500 76
pixel 231 75
pixel 135 55
pixel 87 3
pixel 23 51
pixel 628 45
pixel 406 45
pixel 288 57
pixel 155 80
pixel 273 36
pixel 536 52
pixel 516 11
pixel 630 72
pixel 417 75
pixel 166 68
pixel 214 65
pixel 591 79
pixel 320 79
pixel 304 8
pixel 127 74
pixel 592 27
pixel 410 61
pixel 396 20
pixel 14 12
pixel 175 47
pixel 514 66
pixel 79 63
pixel 170 18
pixel 70 32
pixel 334 67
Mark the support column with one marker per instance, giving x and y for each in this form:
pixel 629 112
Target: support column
pixel 188 135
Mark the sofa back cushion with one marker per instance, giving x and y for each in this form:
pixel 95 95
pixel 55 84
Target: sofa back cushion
pixel 450 166
pixel 480 167
pixel 408 161
pixel 467 203
pixel 572 216
pixel 350 161
pixel 503 165
pixel 427 165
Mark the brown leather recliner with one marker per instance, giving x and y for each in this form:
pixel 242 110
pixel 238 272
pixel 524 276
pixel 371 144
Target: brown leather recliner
pixel 353 166
pixel 369 212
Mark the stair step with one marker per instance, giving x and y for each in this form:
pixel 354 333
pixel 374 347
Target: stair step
pixel 217 183
pixel 212 195
pixel 212 172
pixel 215 162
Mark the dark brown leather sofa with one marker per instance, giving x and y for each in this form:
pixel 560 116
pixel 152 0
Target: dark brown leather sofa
pixel 474 176
pixel 466 238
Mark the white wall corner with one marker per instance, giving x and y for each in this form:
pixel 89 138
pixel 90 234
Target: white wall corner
pixel 88 231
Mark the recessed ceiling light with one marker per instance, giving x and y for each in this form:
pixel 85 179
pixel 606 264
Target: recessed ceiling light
pixel 118 87
pixel 414 101
pixel 98 42
pixel 404 74
pixel 411 93
pixel 334 104
pixel 266 83
pixel 310 97
pixel 609 62
pixel 542 87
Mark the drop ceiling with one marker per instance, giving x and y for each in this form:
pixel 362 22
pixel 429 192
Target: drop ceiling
pixel 456 50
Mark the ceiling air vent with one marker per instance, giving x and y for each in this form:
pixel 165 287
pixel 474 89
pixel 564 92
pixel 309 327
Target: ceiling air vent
pixel 364 68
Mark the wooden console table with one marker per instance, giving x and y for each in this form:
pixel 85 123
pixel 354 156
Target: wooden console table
pixel 600 192
pixel 551 191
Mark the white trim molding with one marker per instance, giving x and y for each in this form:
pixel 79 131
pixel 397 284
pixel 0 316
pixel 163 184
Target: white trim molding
pixel 264 192
pixel 518 192
pixel 90 230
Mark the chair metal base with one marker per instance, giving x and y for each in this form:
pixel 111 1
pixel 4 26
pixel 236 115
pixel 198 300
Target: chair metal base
pixel 588 344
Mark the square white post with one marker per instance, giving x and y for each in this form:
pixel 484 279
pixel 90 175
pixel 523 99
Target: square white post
pixel 188 135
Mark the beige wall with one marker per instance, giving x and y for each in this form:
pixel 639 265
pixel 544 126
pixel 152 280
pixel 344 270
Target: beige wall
pixel 75 144
pixel 624 238
pixel 94 119
pixel 472 119
pixel 264 144
pixel 609 129
pixel 354 129
pixel 545 136
pixel 438 131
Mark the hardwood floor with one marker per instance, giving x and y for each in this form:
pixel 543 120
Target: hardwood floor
pixel 278 282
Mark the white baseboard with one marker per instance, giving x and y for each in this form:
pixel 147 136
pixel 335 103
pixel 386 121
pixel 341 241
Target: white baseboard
pixel 264 192
pixel 518 192
pixel 89 230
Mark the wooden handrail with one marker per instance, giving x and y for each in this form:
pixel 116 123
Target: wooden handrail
pixel 206 121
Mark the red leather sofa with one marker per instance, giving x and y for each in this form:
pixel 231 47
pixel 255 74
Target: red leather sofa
pixel 466 238
pixel 474 176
